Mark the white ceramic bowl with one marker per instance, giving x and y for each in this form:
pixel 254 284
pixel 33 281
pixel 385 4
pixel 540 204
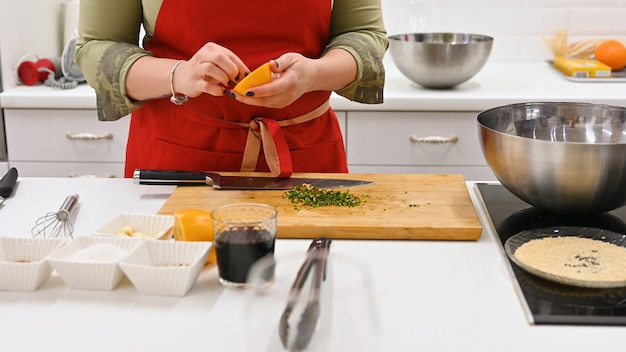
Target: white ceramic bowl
pixel 23 265
pixel 166 268
pixel 139 225
pixel 92 262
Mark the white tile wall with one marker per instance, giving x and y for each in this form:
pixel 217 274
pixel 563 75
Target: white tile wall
pixel 35 26
pixel 516 25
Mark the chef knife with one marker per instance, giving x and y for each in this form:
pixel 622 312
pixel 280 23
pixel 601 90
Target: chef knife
pixel 7 184
pixel 217 181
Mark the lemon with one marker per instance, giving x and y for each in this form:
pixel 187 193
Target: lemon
pixel 262 75
pixel 194 225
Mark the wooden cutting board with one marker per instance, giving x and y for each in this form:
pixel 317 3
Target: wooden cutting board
pixel 394 207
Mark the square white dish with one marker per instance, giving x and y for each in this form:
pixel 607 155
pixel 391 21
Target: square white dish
pixel 139 225
pixel 23 265
pixel 166 268
pixel 92 262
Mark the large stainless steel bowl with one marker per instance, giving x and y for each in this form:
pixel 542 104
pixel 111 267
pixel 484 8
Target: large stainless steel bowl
pixel 439 60
pixel 562 157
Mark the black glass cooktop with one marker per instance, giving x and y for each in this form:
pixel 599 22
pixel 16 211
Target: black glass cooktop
pixel 547 301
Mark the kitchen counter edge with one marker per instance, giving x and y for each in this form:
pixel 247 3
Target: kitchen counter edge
pixel 495 85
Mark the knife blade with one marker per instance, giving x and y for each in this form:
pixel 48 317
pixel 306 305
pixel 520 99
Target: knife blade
pixel 217 181
pixel 7 184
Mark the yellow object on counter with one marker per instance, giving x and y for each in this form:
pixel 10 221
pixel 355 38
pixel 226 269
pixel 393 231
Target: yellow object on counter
pixel 194 225
pixel 582 68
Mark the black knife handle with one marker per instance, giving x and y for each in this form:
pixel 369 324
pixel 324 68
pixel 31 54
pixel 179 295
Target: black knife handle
pixel 167 177
pixel 7 183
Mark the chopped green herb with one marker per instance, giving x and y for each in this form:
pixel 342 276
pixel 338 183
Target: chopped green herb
pixel 313 196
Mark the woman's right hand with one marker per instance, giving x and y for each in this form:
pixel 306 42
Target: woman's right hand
pixel 210 70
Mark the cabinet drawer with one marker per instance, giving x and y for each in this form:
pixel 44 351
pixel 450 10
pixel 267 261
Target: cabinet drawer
pixel 413 138
pixel 64 135
pixel 69 169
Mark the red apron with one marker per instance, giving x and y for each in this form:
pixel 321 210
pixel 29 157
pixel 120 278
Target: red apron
pixel 203 134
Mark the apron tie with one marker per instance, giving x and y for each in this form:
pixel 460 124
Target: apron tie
pixel 268 132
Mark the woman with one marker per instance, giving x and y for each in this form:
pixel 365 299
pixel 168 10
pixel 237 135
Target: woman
pixel 178 87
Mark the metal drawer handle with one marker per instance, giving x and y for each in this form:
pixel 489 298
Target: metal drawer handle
pixel 88 136
pixel 73 175
pixel 433 139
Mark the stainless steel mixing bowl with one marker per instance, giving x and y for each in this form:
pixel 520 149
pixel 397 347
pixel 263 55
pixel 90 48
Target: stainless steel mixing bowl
pixel 563 157
pixel 439 60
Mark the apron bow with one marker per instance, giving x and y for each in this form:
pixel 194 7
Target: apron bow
pixel 268 132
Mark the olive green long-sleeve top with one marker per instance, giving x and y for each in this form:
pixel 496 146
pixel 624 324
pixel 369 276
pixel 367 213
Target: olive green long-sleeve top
pixel 108 45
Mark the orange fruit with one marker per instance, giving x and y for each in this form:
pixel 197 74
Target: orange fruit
pixel 611 53
pixel 194 225
pixel 262 75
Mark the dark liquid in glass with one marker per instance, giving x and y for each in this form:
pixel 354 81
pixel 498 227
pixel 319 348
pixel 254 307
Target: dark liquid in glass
pixel 238 249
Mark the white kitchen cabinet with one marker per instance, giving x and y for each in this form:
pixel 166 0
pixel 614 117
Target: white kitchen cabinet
pixel 65 143
pixel 415 142
pixel 71 142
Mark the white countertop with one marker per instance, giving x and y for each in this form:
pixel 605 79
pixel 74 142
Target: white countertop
pixel 424 296
pixel 496 84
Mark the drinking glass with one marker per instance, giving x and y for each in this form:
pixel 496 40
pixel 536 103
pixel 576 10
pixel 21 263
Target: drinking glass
pixel 243 234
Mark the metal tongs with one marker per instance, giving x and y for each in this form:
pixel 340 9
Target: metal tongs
pixel 315 258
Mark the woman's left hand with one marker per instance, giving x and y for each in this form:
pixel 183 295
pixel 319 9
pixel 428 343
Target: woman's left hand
pixel 293 75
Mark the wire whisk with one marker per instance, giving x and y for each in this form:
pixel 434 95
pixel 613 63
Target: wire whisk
pixel 59 223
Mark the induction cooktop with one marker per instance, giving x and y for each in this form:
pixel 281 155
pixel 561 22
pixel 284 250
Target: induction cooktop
pixel 548 302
